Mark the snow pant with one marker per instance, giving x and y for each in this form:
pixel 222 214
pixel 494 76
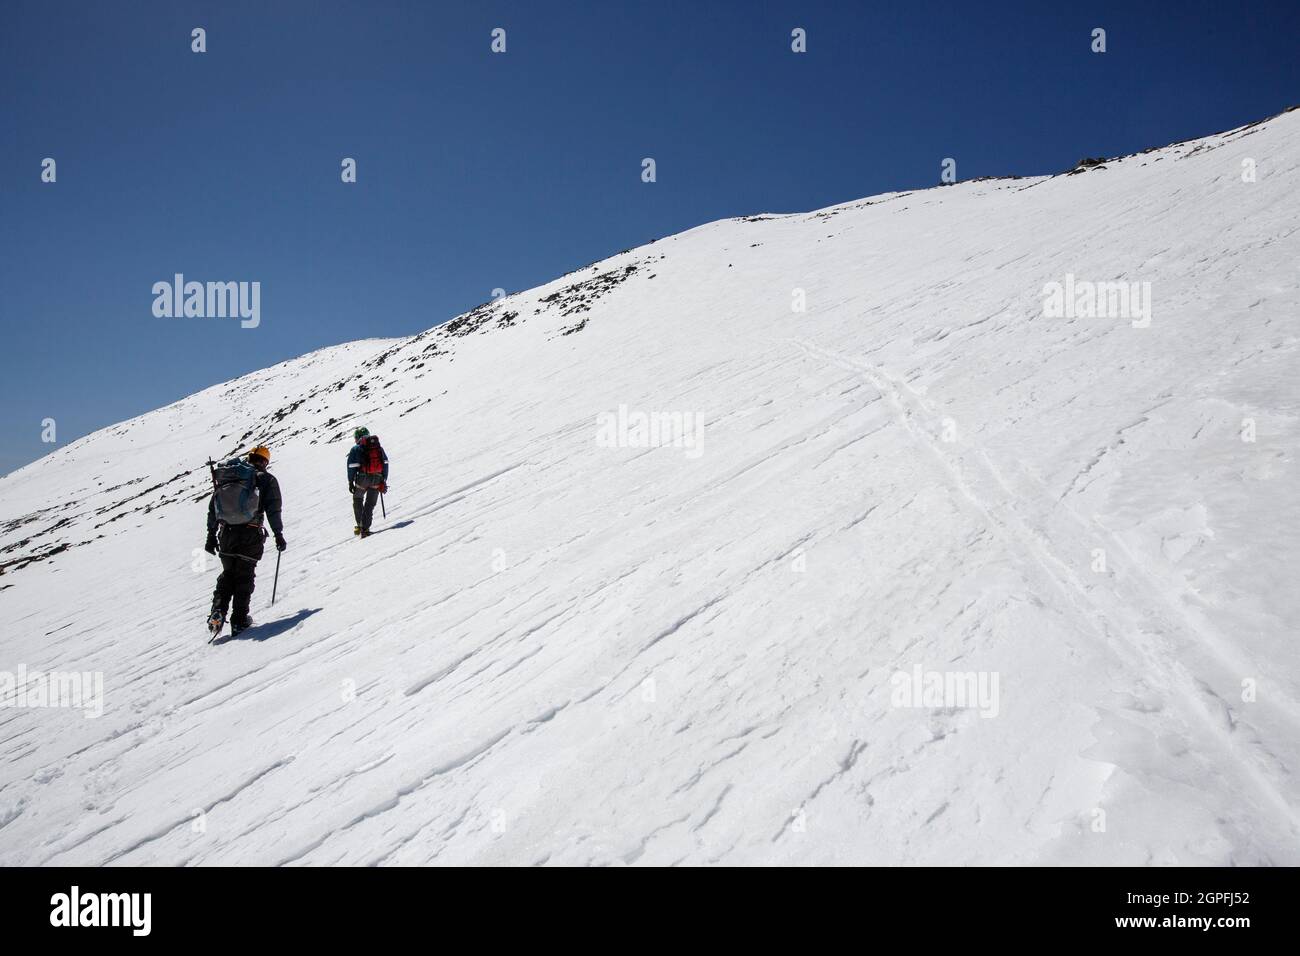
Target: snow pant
pixel 240 548
pixel 363 505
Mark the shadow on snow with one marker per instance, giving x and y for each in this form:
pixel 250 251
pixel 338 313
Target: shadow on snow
pixel 264 632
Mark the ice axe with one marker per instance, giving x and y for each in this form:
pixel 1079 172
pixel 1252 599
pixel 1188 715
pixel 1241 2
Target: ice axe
pixel 276 580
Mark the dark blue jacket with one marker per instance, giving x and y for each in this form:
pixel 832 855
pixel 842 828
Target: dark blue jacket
pixel 355 458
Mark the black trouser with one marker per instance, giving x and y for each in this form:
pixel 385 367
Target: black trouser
pixel 363 504
pixel 240 550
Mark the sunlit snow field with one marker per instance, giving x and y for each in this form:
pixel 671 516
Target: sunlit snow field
pixel 561 652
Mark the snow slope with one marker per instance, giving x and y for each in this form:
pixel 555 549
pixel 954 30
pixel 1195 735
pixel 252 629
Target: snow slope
pixel 562 652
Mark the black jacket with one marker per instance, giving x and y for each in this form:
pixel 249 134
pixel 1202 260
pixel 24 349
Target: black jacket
pixel 268 493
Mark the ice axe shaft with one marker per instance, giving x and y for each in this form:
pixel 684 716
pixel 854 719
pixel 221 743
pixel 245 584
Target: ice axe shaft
pixel 276 580
pixel 382 506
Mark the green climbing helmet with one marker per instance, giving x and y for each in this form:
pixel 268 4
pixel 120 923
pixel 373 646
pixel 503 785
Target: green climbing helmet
pixel 360 433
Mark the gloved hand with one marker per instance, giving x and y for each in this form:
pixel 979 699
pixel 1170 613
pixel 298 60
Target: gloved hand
pixel 352 489
pixel 210 545
pixel 383 487
pixel 279 542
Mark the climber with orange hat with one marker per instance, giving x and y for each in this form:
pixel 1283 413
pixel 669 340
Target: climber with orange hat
pixel 244 496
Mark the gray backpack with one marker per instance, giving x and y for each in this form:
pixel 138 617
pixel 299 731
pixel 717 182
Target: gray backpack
pixel 235 496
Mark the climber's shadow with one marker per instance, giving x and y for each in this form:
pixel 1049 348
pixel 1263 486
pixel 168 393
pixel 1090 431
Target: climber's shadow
pixel 264 632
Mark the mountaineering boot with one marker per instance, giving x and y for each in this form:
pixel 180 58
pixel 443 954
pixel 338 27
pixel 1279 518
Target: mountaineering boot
pixel 216 621
pixel 356 529
pixel 237 629
pixel 365 533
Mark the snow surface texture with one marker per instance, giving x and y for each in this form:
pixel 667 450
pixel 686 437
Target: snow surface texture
pixel 561 652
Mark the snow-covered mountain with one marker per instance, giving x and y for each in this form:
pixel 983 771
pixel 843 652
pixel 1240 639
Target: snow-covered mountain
pixel 575 641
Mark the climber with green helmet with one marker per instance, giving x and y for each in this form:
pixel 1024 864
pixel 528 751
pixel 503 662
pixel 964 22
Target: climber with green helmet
pixel 367 478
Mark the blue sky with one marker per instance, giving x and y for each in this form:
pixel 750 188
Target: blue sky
pixel 479 170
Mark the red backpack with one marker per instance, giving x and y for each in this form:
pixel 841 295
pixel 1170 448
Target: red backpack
pixel 372 456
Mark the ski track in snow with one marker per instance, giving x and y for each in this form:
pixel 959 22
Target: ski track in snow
pixel 1195 696
pixel 561 653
